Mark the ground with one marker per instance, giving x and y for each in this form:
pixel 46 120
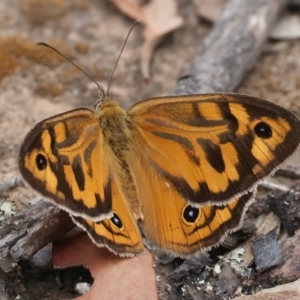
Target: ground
pixel 36 83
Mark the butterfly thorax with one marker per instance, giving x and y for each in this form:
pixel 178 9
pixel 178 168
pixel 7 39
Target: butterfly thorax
pixel 117 135
pixel 112 119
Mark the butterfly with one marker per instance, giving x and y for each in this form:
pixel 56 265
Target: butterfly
pixel 175 173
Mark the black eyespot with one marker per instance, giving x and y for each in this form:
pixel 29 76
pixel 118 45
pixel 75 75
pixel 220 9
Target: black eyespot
pixel 116 221
pixel 41 162
pixel 263 130
pixel 191 214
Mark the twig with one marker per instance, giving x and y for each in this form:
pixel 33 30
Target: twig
pixel 273 186
pixel 231 48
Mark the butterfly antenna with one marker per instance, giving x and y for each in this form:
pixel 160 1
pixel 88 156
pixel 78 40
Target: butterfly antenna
pixel 125 42
pixel 52 48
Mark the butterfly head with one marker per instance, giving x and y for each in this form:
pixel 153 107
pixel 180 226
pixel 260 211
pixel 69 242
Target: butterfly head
pixel 103 98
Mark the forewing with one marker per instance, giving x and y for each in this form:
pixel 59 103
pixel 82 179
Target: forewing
pixel 64 159
pixel 213 148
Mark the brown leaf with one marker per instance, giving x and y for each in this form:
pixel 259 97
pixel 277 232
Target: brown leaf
pixel 288 27
pixel 210 10
pixel 114 277
pixel 159 18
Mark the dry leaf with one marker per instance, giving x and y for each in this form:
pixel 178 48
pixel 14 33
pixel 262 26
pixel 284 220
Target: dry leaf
pixel 114 277
pixel 286 28
pixel 158 17
pixel 210 10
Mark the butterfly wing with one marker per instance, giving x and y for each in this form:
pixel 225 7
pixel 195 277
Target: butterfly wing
pixel 213 148
pixel 119 233
pixel 62 156
pixel 172 224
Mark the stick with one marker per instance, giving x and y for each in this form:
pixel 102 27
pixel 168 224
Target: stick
pixel 231 48
pixel 33 228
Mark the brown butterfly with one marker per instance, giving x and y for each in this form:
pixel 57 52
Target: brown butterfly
pixel 178 172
